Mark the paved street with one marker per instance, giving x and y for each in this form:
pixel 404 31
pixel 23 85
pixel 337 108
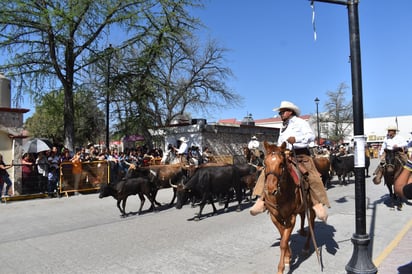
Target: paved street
pixel 85 234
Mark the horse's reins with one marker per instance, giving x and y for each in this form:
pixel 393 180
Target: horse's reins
pixel 303 197
pixel 283 220
pixel 273 205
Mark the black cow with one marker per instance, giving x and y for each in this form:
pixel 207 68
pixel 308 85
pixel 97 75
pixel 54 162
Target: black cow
pixel 162 176
pixel 342 166
pixel 209 182
pixel 122 189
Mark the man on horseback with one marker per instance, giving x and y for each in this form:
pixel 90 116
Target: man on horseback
pixel 298 134
pixel 253 146
pixel 392 142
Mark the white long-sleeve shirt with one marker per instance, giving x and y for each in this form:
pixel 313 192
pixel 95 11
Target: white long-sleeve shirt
pixel 301 130
pixel 391 143
pixel 253 144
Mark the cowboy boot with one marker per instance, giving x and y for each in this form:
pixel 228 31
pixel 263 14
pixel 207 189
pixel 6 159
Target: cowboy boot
pixel 258 207
pixel 320 212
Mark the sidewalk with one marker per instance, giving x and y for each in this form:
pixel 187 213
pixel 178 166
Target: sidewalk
pixel 23 197
pixel 392 259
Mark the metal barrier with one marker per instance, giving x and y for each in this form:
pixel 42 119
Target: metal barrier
pixel 92 175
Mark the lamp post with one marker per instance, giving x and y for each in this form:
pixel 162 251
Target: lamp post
pixel 317 118
pixel 360 261
pixel 109 53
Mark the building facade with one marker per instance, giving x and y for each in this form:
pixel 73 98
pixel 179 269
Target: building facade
pixel 220 138
pixel 11 133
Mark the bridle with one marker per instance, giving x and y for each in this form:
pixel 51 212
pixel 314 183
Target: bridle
pixel 278 175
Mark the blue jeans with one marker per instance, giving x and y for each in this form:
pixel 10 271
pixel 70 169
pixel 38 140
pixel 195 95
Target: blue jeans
pixel 6 180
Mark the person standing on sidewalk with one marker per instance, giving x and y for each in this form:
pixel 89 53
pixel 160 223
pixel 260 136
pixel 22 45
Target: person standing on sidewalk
pixel 43 169
pixel 4 177
pixel 77 171
pixel 297 134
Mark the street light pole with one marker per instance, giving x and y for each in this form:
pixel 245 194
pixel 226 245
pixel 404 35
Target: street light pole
pixel 317 118
pixel 360 261
pixel 109 53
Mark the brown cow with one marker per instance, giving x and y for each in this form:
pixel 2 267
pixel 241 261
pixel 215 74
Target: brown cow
pixel 323 166
pixel 248 183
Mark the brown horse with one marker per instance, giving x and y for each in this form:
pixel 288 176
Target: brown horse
pixel 285 200
pixel 248 153
pixel 391 170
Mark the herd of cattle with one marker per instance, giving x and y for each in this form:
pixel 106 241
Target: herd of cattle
pixel 207 183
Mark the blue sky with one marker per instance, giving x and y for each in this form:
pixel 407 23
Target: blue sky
pixel 274 56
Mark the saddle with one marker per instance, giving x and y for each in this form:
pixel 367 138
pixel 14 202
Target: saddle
pixel 297 169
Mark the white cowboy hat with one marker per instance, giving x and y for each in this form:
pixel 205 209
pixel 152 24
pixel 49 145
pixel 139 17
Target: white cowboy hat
pixel 392 127
pixel 288 105
pixel 254 138
pixel 183 139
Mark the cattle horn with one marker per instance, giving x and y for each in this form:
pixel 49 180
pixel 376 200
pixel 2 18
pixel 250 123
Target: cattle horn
pixel 172 185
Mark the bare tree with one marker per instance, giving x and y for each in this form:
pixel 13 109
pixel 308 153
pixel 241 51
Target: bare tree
pixel 181 77
pixel 338 115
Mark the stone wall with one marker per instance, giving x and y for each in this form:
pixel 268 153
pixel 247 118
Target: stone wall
pixel 220 139
pixel 11 119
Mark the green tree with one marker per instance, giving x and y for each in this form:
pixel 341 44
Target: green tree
pixel 47 121
pixel 56 40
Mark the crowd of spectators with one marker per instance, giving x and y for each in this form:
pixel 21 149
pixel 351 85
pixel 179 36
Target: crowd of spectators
pixel 43 171
pixel 40 171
